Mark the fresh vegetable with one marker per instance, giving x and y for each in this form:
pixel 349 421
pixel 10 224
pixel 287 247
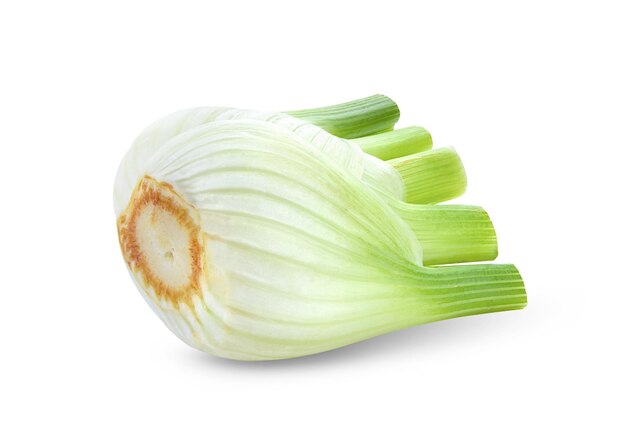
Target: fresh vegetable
pixel 260 236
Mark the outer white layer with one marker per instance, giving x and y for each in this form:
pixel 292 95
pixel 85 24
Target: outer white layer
pixel 301 256
pixel 374 172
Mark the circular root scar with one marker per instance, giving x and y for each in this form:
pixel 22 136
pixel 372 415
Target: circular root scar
pixel 162 242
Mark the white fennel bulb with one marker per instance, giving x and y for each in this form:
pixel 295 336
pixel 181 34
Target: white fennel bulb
pixel 252 242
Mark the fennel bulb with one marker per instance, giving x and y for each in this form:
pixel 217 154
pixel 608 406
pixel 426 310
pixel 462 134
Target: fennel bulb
pixel 253 241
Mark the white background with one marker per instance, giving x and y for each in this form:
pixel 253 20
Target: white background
pixel 532 96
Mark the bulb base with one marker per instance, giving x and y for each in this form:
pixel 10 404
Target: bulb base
pixel 162 241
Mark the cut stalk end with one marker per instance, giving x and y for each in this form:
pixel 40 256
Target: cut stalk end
pixel 463 290
pixel 362 117
pixel 431 177
pixel 451 234
pixel 396 143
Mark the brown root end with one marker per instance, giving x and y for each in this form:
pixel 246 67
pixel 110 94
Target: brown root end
pixel 162 242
